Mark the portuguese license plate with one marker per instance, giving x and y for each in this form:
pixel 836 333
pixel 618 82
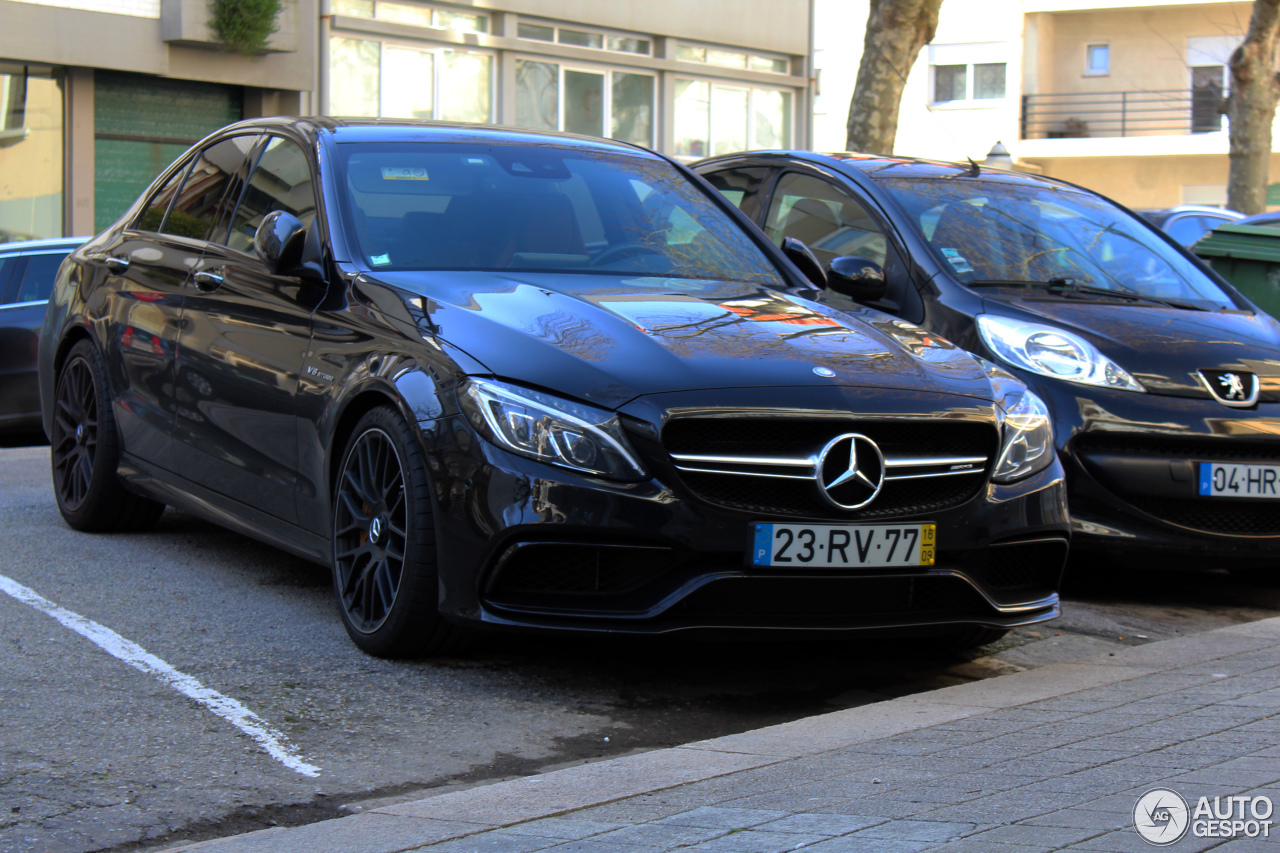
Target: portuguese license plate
pixel 1229 480
pixel 838 546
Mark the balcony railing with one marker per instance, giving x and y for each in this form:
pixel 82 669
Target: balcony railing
pixel 1168 112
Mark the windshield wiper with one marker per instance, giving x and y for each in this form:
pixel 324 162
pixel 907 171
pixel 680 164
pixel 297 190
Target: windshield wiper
pixel 1063 286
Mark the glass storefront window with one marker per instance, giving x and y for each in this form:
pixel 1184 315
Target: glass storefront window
pixel 370 78
pixel 355 80
pixel 468 95
pixel 407 82
pixel 31 128
pixel 356 8
pixel 632 108
pixel 580 39
pixel 535 31
pixel 589 98
pixel 537 95
pixel 732 58
pixel 719 119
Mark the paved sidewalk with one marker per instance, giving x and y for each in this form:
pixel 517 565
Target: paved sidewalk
pixel 1048 759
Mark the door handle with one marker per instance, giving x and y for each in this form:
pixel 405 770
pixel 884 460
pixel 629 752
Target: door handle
pixel 208 280
pixel 116 264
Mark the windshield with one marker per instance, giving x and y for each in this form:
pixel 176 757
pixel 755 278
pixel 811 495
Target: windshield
pixel 992 233
pixel 421 205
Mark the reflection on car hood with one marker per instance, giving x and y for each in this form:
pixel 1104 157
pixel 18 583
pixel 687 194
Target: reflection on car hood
pixel 1164 347
pixel 611 338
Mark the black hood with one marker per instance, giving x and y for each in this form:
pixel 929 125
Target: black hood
pixel 609 339
pixel 1163 348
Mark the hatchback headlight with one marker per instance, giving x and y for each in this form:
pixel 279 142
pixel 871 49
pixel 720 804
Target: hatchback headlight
pixel 1051 351
pixel 550 429
pixel 1027 445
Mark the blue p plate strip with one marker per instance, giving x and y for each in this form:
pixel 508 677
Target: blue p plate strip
pixel 764 538
pixel 1206 478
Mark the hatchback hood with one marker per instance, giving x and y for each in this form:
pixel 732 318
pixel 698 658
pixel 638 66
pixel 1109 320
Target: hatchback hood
pixel 1163 348
pixel 610 339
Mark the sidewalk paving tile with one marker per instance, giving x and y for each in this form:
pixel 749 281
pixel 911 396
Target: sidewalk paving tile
pixel 661 835
pixel 755 841
pixel 918 830
pixel 563 828
pixel 822 824
pixel 720 818
pixel 854 844
pixel 1032 835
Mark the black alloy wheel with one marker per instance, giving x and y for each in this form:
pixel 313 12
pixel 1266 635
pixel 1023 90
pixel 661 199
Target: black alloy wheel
pixel 384 557
pixel 85 450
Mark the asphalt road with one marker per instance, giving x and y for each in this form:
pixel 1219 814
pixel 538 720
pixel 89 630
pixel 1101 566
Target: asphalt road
pixel 98 754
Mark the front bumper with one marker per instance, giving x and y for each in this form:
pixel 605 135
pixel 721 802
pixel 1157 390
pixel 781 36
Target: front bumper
pixel 527 545
pixel 1130 462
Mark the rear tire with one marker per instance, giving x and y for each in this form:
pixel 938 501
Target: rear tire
pixel 384 544
pixel 85 451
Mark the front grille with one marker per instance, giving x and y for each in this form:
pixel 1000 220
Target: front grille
pixel 1214 515
pixel 1207 514
pixel 764 598
pixel 594 570
pixel 767 465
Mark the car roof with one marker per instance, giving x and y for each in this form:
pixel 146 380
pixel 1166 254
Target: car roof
pixel 357 129
pixel 51 243
pixel 883 166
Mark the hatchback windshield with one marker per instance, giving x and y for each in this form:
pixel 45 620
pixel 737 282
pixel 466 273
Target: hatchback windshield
pixel 995 233
pixel 508 207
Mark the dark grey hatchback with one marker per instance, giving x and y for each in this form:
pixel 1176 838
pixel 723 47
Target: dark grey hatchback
pixel 499 378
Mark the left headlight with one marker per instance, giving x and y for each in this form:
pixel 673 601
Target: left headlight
pixel 1053 352
pixel 550 429
pixel 1028 440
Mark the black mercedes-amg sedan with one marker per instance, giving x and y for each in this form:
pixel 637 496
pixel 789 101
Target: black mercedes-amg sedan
pixel 1162 380
pixel 502 378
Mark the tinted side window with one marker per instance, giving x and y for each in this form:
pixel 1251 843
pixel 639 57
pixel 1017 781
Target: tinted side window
pixel 739 185
pixel 37 280
pixel 826 218
pixel 281 181
pixel 153 215
pixel 218 174
pixel 7 265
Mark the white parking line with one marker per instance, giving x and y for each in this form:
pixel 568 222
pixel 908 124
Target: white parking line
pixel 136 656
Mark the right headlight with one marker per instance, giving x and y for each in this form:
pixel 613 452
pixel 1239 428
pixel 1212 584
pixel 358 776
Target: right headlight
pixel 1027 445
pixel 1051 351
pixel 550 429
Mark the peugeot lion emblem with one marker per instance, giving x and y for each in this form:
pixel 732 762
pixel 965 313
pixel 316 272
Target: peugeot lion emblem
pixel 1235 388
pixel 850 471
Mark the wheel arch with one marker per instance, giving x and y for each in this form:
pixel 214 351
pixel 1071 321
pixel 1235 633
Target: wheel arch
pixel 357 406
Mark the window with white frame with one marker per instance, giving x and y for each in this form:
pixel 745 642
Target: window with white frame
pixel 414 14
pixel 714 117
pixel 595 101
pixel 729 58
pixel 374 78
pixel 577 37
pixel 968 74
pixel 1097 59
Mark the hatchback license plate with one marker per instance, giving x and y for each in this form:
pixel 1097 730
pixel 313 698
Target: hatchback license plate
pixel 839 546
pixel 1219 479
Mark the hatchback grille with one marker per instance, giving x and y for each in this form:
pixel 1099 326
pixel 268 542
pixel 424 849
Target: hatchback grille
pixel 1208 514
pixel 767 465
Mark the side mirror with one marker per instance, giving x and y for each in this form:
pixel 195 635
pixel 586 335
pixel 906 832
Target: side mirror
pixel 279 241
pixel 800 255
pixel 856 277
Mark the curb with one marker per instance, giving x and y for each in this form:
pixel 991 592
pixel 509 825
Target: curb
pixel 457 814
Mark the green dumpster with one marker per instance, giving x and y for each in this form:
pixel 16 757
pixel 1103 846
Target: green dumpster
pixel 1248 256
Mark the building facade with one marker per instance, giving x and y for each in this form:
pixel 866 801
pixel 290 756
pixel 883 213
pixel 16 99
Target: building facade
pixel 687 77
pixel 97 96
pixel 1122 96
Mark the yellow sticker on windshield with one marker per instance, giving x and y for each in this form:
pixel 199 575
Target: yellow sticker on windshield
pixel 404 173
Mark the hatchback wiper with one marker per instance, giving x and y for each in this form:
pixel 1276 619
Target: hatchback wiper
pixel 1064 286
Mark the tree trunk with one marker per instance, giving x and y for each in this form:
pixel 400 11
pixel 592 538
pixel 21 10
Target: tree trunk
pixel 896 30
pixel 1251 108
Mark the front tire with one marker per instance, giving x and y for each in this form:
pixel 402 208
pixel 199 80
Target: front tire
pixel 85 451
pixel 384 544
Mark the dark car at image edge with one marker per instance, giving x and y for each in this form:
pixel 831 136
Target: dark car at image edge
pixel 1163 381
pixel 530 380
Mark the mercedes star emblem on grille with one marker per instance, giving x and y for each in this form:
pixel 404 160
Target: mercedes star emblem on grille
pixel 1236 388
pixel 850 471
